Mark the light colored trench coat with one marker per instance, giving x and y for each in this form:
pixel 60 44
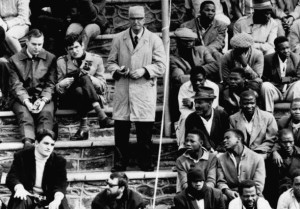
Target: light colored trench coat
pixel 135 99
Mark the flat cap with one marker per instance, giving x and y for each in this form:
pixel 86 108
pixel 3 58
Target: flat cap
pixel 185 33
pixel 195 174
pixel 136 12
pixel 241 40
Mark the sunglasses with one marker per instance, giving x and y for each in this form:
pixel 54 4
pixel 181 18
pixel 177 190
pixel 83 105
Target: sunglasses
pixel 110 184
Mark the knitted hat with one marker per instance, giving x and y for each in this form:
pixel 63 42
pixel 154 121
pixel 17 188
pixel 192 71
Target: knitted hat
pixel 136 12
pixel 185 33
pixel 262 4
pixel 204 92
pixel 195 174
pixel 241 40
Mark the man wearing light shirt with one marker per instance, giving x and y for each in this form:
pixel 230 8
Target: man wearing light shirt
pixel 38 172
pixel 281 75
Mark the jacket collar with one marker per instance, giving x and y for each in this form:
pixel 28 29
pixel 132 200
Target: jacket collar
pixel 24 55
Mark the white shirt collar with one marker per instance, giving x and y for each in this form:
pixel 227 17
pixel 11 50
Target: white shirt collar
pixel 208 123
pixel 139 35
pixel 282 66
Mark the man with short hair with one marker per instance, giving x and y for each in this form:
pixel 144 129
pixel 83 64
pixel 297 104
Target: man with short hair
pixel 260 25
pixel 259 127
pixel 281 75
pixel 292 121
pixel 291 198
pixel 198 194
pixel 211 121
pixel 32 82
pixel 211 32
pixel 38 176
pixel 248 198
pixel 186 98
pixel 118 195
pixel 238 163
pixel 243 55
pixel 195 156
pixel 81 83
pixel 136 60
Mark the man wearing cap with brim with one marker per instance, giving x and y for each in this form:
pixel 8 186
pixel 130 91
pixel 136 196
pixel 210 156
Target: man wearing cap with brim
pixel 198 194
pixel 213 122
pixel 186 57
pixel 245 56
pixel 135 61
pixel 260 26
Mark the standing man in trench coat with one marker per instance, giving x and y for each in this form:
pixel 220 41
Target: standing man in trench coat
pixel 136 59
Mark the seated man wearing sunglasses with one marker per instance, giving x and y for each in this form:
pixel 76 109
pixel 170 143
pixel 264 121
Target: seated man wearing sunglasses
pixel 118 195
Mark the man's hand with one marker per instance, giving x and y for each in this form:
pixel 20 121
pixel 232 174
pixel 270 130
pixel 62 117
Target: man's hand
pixel 187 102
pixel 277 159
pixel 28 104
pixel 54 204
pixel 21 193
pixel 66 82
pixel 138 73
pixel 231 194
pixel 38 105
pixel 243 60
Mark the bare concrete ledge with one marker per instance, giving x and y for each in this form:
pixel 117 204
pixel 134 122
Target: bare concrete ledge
pixel 102 142
pixel 101 176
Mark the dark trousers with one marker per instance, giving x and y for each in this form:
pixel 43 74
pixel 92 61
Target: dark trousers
pixel 28 121
pixel 16 203
pixel 81 95
pixel 144 143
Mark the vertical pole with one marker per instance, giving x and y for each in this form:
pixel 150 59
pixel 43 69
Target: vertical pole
pixel 166 42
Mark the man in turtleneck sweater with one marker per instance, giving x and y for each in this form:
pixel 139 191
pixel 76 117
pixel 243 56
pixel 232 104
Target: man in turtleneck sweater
pixel 38 172
pixel 198 194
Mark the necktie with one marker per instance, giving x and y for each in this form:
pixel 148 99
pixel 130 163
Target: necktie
pixel 136 40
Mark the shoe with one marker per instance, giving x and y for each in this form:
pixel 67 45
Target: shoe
pixel 28 143
pixel 80 135
pixel 106 123
pixel 118 168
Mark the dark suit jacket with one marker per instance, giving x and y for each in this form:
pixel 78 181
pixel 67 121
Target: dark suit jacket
pixel 213 199
pixel 23 171
pixel 220 124
pixel 272 70
pixel 286 122
pixel 129 200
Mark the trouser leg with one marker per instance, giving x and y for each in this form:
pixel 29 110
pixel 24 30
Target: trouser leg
pixel 144 142
pixel 122 131
pixel 17 203
pixel 25 121
pixel 270 94
pixel 292 92
pixel 45 117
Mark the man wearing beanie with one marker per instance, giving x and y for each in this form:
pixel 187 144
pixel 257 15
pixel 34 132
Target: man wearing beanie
pixel 135 61
pixel 38 176
pixel 198 194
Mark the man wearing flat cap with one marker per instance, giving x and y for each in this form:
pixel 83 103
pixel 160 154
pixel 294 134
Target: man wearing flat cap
pixel 135 61
pixel 187 57
pixel 245 56
pixel 198 194
pixel 213 122
pixel 260 25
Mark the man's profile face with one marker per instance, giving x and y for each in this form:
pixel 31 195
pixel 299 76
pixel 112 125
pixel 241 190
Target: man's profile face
pixel 249 197
pixel 296 186
pixel 237 52
pixel 264 15
pixel 286 142
pixel 192 142
pixel 186 43
pixel 208 12
pixel 230 140
pixel 283 49
pixel 76 50
pixel 35 45
pixel 45 146
pixel 295 111
pixel 202 106
pixel 248 105
pixel 197 185
pixel 113 189
pixel 197 81
pixel 236 81
pixel 136 24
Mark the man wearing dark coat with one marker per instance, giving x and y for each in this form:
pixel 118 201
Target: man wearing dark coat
pixel 38 176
